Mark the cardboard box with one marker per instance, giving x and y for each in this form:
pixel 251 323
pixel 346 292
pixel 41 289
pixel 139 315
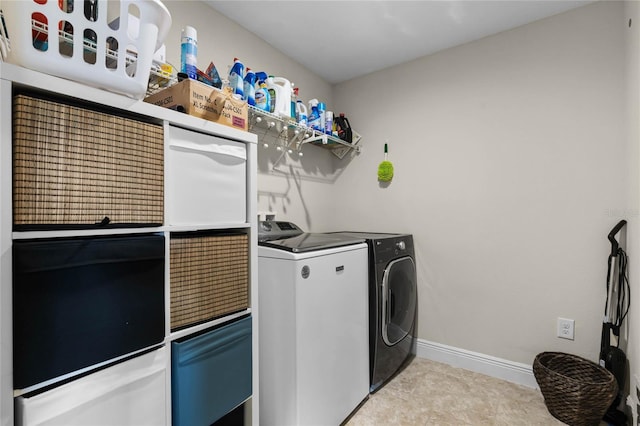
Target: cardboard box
pixel 201 100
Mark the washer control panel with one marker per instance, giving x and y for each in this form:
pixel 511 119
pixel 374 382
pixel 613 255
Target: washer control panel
pixel 275 230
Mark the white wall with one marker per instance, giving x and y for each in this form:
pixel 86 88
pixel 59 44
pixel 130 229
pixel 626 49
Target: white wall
pixel 513 160
pixel 219 41
pixel 511 167
pixel 632 44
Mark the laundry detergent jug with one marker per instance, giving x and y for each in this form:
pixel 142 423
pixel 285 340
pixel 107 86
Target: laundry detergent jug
pixel 343 128
pixel 284 90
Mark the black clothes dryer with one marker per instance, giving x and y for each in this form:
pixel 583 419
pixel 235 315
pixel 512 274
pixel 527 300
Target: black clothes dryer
pixel 392 303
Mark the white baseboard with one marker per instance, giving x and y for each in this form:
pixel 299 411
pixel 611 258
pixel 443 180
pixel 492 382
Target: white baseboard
pixel 510 371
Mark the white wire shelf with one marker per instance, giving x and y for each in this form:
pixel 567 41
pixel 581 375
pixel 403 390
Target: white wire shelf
pixel 286 134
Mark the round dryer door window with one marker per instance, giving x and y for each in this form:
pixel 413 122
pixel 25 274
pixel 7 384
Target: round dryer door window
pixel 398 300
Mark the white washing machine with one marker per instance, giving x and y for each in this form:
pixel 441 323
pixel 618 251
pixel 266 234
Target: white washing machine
pixel 314 326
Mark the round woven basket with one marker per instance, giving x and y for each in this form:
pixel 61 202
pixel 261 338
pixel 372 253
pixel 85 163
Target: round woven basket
pixel 576 390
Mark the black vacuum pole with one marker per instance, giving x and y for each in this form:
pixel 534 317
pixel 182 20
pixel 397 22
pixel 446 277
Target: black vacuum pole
pixel 612 357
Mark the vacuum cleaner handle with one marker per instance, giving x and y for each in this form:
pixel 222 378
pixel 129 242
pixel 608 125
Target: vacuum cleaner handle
pixel 612 236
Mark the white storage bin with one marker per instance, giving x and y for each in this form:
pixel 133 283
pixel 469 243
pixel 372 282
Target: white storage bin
pixel 88 41
pixel 206 179
pixel 130 393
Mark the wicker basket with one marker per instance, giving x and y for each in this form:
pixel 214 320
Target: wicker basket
pixel 209 277
pixel 576 391
pixel 73 167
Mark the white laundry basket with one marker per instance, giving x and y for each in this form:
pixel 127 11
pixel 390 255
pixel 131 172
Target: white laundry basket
pixel 87 41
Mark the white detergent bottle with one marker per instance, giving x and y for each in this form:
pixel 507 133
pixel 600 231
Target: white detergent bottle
pixel 301 111
pixel 283 96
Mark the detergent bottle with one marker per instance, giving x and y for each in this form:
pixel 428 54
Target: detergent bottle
pixel 235 77
pixel 261 76
pixel 328 125
pixel 284 90
pixel 263 100
pixel 273 94
pixel 314 115
pixel 189 52
pixel 322 113
pixel 343 128
pixel 301 113
pixel 249 87
pixel 294 105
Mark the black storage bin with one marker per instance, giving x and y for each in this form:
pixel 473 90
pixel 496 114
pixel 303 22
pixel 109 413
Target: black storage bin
pixel 82 301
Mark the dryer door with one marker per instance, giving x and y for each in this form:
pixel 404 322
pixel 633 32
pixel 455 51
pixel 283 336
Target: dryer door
pixel 398 299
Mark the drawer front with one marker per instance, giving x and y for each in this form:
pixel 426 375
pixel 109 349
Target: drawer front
pixel 211 374
pixel 209 277
pixel 132 392
pixel 78 302
pixel 206 179
pixel 75 167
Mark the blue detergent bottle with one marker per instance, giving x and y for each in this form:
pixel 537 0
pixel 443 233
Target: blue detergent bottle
pixel 236 81
pixel 261 76
pixel 250 87
pixel 263 99
pixel 189 52
pixel 314 115
pixel 322 113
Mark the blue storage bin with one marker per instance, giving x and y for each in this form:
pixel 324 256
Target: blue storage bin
pixel 210 374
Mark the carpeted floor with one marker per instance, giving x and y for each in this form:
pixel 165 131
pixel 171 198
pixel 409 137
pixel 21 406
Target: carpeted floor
pixel 431 393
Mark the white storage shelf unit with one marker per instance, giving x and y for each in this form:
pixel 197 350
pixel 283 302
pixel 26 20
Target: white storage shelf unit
pixel 230 153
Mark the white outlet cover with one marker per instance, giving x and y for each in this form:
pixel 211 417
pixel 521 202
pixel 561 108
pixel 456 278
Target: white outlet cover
pixel 566 328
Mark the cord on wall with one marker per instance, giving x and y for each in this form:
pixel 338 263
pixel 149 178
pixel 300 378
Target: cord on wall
pixel 633 401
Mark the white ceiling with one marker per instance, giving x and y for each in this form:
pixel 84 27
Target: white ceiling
pixel 340 40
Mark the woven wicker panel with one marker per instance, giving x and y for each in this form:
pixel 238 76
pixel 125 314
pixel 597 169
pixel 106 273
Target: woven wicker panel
pixel 209 277
pixel 74 166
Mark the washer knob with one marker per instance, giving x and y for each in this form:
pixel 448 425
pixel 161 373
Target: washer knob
pixel 401 245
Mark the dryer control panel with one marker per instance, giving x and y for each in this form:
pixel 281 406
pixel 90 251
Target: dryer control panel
pixel 390 248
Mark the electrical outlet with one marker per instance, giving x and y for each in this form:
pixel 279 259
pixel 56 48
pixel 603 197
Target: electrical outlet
pixel 565 328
